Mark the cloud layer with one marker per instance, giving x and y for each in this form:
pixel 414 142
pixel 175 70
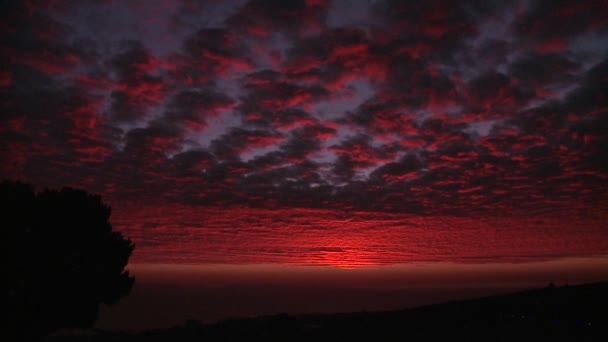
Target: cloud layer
pixel 438 109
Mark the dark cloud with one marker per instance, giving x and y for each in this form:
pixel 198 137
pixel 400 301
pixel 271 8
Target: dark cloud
pixel 280 94
pixel 157 137
pixel 192 161
pixel 238 140
pixel 264 17
pixel 331 57
pixel 542 22
pixel 133 62
pixel 123 109
pixel 193 107
pixel 405 168
pixel 288 118
pixel 362 154
pixel 305 141
pixel 496 92
pixel 443 24
pixel 42 44
pixel 543 69
pixel 139 86
pixel 494 51
pixel 209 53
pixel 343 169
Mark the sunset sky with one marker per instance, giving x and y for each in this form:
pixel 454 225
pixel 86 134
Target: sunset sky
pixel 352 134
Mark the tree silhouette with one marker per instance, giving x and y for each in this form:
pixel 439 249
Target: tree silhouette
pixel 62 259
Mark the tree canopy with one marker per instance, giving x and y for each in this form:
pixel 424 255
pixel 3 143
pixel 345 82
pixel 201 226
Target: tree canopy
pixel 62 259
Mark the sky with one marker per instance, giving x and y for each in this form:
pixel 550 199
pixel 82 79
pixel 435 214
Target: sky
pixel 323 133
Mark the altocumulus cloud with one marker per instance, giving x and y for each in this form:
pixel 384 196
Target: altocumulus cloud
pixel 435 111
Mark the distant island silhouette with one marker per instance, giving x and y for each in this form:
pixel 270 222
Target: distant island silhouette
pixel 564 313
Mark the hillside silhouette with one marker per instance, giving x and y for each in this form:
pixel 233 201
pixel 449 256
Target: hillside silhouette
pixel 61 259
pixel 567 313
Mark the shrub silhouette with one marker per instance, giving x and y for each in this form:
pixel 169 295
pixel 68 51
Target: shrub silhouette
pixel 62 259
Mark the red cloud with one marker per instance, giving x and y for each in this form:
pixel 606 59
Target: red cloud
pixel 286 236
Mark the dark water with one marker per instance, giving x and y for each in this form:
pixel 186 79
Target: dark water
pixel 161 306
pixel 167 295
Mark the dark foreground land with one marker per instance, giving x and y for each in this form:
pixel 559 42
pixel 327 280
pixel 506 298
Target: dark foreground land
pixel 566 313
